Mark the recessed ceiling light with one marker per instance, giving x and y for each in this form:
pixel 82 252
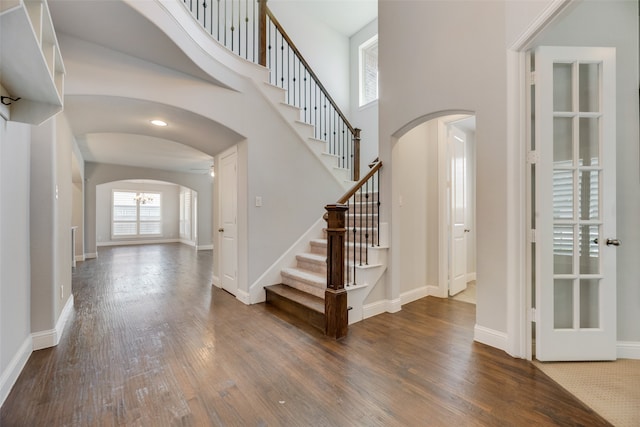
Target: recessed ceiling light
pixel 158 123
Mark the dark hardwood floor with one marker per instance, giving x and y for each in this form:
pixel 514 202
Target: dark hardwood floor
pixel 152 343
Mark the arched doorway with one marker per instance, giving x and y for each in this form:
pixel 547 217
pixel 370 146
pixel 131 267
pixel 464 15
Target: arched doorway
pixel 433 182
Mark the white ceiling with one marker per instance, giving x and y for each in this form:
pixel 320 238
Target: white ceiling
pixel 117 130
pixel 344 16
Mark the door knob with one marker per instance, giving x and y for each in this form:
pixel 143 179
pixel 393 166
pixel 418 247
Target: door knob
pixel 466 230
pixel 613 242
pixel 221 230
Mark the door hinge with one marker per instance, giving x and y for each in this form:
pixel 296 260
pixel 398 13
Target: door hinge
pixel 533 315
pixel 533 157
pixel 532 78
pixel 532 236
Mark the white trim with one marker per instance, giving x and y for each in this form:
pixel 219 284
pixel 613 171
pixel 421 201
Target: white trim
pixel 518 341
pixel 14 368
pixel 437 291
pixel 137 242
pixel 80 257
pixel 215 281
pixel 490 337
pixel 414 294
pixel 373 309
pixel 91 255
pixel 51 338
pixel 243 296
pixel 204 247
pixel 187 242
pixel 394 305
pixel 628 350
pixel 518 338
pixel 379 307
pixel 548 15
pixel 471 277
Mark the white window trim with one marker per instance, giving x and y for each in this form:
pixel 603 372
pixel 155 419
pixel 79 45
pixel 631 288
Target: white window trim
pixel 362 103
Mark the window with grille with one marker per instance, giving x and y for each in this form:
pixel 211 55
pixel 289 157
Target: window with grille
pixel 136 214
pixel 369 71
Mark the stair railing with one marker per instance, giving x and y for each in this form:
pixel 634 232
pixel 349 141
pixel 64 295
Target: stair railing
pixel 352 227
pixel 362 221
pixel 249 29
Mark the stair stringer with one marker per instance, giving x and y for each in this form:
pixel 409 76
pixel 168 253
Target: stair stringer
pixel 305 132
pixel 287 259
pixel 367 277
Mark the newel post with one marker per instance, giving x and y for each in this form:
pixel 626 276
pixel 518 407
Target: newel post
pixel 262 32
pixel 335 297
pixel 356 154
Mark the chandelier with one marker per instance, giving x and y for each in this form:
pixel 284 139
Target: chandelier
pixel 143 198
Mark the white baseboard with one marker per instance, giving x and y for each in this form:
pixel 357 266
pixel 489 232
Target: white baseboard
pixel 628 350
pixel 471 277
pixel 80 257
pixel 15 366
pixel 91 255
pixel 414 295
pixel 379 307
pixel 137 242
pixel 188 242
pixel 373 309
pixel 438 291
pixel 204 247
pixel 243 296
pixel 215 281
pixel 51 338
pixel 490 337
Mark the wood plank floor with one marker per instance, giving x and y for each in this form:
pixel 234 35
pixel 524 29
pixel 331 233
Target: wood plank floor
pixel 152 343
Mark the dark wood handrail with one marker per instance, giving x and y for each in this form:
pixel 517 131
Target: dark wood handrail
pixel 306 64
pixel 376 167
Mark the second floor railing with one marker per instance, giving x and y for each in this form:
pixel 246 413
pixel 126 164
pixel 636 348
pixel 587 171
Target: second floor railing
pixel 250 29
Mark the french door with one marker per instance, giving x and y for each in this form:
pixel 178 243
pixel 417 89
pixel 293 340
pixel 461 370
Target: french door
pixel 573 161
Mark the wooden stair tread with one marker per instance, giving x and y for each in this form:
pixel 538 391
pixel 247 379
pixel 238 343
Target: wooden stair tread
pixel 296 303
pixel 310 301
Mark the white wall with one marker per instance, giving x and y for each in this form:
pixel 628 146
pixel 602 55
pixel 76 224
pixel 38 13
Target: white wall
pixel 615 23
pixel 415 186
pixel 15 322
pixel 365 117
pixel 326 50
pixel 170 200
pixel 467 73
pixel 97 173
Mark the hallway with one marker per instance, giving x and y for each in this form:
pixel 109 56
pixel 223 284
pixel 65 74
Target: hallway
pixel 152 343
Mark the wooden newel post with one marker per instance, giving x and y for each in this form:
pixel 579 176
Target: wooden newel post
pixel 335 297
pixel 262 32
pixel 356 155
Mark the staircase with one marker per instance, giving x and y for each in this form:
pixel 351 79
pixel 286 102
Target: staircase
pixel 307 289
pixel 302 290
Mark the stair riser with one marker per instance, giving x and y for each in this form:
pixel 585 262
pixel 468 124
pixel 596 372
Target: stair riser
pixel 362 220
pixel 313 318
pixel 316 267
pixel 360 236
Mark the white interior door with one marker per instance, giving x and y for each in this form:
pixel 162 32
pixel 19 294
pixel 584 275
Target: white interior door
pixel 458 211
pixel 228 190
pixel 574 206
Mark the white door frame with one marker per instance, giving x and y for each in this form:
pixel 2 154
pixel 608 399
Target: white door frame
pixel 519 339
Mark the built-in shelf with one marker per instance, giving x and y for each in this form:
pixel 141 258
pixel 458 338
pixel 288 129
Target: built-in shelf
pixel 31 66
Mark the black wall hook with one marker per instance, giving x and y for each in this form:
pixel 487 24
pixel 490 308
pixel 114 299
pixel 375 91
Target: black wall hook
pixel 4 101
